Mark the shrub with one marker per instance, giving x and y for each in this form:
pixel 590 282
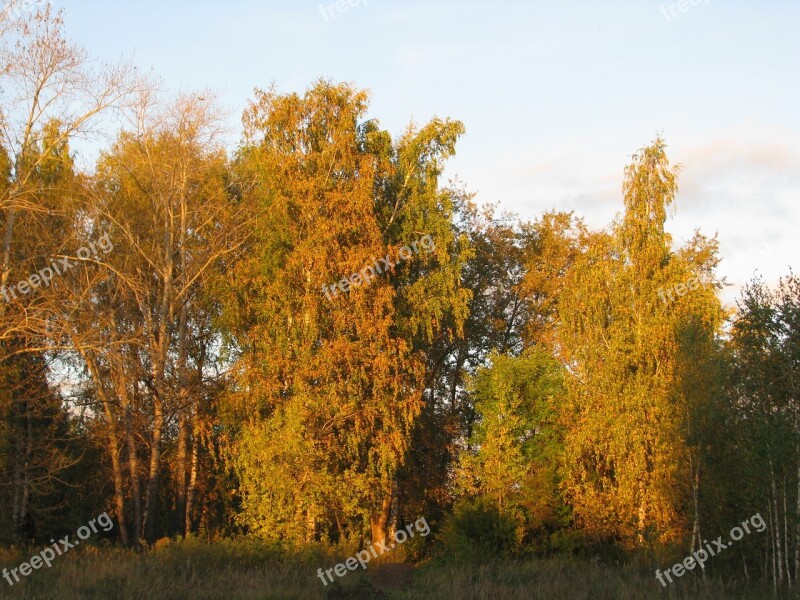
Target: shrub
pixel 478 531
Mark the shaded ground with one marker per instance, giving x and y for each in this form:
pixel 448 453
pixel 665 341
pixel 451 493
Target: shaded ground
pixel 377 583
pixel 228 571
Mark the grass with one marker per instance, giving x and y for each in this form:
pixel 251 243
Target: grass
pixel 250 571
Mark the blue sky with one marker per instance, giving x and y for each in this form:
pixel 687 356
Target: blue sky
pixel 555 96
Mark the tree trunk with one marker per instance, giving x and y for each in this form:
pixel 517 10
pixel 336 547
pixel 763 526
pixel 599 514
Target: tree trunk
pixel 380 519
pixel 133 463
pixel 151 510
pixel 119 496
pixel 641 524
pixel 7 236
pixel 18 510
pixel 113 448
pixel 786 536
pixel 772 542
pixel 311 525
pixel 183 421
pixel 180 473
pixel 797 524
pixel 26 474
pixel 159 346
pixel 777 521
pixel 188 524
pixel 696 534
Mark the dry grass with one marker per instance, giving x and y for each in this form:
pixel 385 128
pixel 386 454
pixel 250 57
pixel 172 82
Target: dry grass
pixel 250 571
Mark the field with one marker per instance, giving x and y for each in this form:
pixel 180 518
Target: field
pixel 242 572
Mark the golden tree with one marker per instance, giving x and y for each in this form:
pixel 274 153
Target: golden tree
pixel 330 384
pixel 629 462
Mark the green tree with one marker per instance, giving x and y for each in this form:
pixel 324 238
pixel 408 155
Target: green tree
pixel 513 457
pixel 765 338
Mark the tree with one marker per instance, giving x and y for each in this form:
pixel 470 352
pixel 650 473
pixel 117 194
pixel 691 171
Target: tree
pixel 629 465
pixel 161 195
pixel 331 383
pixel 513 456
pixel 764 345
pixel 50 95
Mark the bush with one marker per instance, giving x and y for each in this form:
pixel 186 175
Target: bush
pixel 478 531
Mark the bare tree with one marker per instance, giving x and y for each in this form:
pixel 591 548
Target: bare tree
pixel 52 94
pixel 162 195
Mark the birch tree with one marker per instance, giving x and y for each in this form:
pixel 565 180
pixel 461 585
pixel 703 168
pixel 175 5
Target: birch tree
pixel 628 451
